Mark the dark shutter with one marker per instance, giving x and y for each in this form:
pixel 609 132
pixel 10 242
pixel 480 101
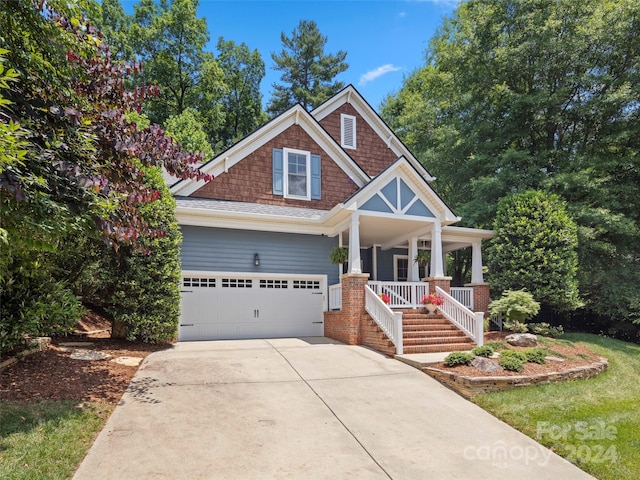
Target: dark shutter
pixel 278 172
pixel 316 178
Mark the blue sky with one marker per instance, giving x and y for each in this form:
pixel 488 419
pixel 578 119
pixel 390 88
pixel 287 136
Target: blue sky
pixel 384 39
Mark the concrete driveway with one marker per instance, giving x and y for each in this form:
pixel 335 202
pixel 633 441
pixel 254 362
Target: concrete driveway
pixel 303 408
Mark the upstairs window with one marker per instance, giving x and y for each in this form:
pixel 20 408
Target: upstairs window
pixel 296 174
pixel 348 131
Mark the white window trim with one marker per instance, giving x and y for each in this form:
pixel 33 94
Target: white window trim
pixel 285 173
pixel 395 266
pixel 344 116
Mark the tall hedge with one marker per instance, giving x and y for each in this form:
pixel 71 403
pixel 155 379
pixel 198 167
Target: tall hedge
pixel 146 292
pixel 535 249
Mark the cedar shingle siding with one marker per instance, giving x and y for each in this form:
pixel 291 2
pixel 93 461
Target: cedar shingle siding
pixel 372 153
pixel 251 180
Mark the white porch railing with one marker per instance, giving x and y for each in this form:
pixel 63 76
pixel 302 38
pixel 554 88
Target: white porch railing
pixel 335 297
pixel 497 321
pixel 469 322
pixel 464 295
pixel 402 294
pixel 389 321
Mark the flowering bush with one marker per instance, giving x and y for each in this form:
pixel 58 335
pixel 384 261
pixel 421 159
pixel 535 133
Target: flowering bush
pixel 385 298
pixel 433 299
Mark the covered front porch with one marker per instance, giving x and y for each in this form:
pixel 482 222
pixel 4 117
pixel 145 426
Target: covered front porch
pixel 398 232
pixel 406 258
pixel 384 259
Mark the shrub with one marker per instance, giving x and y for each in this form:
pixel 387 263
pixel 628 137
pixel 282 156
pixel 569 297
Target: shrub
pixel 512 364
pixel 458 358
pixel 33 303
pixel 535 355
pixel 545 329
pixel 515 326
pixel 535 247
pixel 512 360
pixel 496 345
pixel 483 351
pixel 515 305
pixel 146 297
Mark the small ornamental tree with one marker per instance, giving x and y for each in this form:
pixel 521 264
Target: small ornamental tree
pixel 516 306
pixel 535 249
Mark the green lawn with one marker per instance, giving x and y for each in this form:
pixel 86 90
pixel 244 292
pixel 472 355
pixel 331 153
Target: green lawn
pixel 593 423
pixel 46 440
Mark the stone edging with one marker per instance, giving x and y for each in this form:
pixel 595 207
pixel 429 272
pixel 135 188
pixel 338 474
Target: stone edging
pixel 470 386
pixel 38 344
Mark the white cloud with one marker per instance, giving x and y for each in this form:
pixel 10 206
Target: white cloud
pixel 402 14
pixel 371 75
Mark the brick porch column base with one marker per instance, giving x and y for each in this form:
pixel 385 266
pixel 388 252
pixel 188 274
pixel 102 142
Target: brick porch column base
pixel 481 297
pixel 443 282
pixel 344 326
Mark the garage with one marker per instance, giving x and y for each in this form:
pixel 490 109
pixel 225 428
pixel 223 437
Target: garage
pixel 218 306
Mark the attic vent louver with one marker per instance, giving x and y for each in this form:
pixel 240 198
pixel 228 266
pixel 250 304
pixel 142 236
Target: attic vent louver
pixel 348 131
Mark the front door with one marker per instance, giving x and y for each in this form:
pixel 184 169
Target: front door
pixel 401 268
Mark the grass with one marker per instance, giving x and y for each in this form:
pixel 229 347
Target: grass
pixel 593 423
pixel 46 440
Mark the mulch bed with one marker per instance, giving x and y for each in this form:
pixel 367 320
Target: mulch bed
pixel 53 375
pixel 577 355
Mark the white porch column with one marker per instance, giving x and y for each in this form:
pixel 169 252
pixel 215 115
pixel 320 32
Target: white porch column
pixel 340 265
pixel 476 263
pixel 413 275
pixel 437 270
pixel 374 261
pixel 354 244
pixel 444 263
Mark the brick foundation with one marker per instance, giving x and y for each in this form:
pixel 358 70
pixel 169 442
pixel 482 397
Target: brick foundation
pixel 346 325
pixel 443 282
pixel 372 336
pixel 481 297
pixel 335 327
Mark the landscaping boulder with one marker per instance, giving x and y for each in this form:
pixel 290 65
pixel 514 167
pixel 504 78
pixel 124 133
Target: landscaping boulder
pixel 486 365
pixel 522 340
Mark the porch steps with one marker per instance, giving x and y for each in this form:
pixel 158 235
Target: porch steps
pixel 424 333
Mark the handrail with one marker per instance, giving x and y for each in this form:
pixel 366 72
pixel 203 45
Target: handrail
pixel 402 294
pixel 390 322
pixel 471 323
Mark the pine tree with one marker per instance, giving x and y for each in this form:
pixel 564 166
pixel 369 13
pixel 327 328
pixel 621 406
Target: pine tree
pixel 308 73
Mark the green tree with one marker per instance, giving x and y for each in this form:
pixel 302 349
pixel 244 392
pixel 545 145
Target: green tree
pixel 243 72
pixel 115 25
pixel 308 72
pixel 535 249
pixel 186 128
pixel 169 39
pixel 538 94
pixel 75 172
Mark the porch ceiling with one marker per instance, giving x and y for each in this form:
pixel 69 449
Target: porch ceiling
pixel 381 230
pixel 394 232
